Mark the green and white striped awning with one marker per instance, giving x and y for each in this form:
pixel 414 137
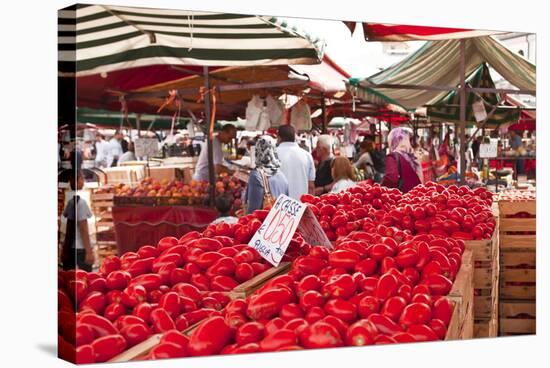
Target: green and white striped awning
pixel 98 38
pixel 448 107
pixel 437 63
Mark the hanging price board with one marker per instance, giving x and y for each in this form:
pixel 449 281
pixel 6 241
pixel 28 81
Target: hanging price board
pixel 146 147
pixel 488 150
pixel 285 217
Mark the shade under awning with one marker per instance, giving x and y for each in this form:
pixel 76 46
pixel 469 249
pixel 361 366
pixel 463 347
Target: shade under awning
pixel 99 39
pixel 437 63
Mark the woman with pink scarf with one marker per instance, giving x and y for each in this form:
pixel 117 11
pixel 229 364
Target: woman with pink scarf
pixel 402 169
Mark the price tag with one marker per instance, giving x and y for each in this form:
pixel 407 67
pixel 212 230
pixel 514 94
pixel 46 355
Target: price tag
pixel 285 217
pixel 488 150
pixel 146 147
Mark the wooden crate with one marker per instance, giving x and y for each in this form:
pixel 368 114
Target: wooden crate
pixel 486 328
pixel 486 300
pixel 462 294
pixel 517 317
pixel 241 291
pixel 518 270
pixel 517 251
pixel 507 208
pixel 484 249
pixel 248 287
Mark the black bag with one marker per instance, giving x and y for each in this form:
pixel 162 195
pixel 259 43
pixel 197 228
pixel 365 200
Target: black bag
pixel 379 160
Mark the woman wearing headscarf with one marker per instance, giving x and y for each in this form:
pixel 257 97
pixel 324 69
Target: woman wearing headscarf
pixel 402 169
pixel 267 177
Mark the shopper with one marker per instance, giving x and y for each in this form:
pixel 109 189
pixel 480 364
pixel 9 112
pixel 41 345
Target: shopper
pixel 223 205
pixel 226 135
pixel 323 176
pixel 77 249
pixel 343 174
pixel 402 169
pixel 114 150
pixel 101 148
pixel 365 162
pixel 267 180
pixel 128 155
pixel 296 163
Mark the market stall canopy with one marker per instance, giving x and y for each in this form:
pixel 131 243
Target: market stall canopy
pixel 112 119
pixel 237 85
pixel 428 74
pixel 448 108
pixel 401 32
pixel 528 115
pixel 100 39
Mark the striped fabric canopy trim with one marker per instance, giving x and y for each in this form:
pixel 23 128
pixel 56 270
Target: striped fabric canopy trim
pixel 400 32
pixel 448 109
pixel 96 38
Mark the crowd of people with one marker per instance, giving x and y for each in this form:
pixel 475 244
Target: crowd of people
pixel 283 165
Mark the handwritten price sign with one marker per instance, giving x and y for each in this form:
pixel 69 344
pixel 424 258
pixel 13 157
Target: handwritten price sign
pixel 272 238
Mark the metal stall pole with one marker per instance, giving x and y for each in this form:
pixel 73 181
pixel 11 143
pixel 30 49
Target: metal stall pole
pixel 462 111
pixel 209 138
pixel 324 113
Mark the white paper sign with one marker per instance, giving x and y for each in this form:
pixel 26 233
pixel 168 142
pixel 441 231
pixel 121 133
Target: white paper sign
pixel 480 113
pixel 287 214
pixel 146 147
pixel 488 150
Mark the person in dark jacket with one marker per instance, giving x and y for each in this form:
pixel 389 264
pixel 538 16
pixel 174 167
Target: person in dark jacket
pixel 402 169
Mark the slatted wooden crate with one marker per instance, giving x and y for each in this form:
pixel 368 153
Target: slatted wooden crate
pixel 517 250
pixel 486 273
pixel 140 350
pixel 102 204
pixel 517 317
pixel 462 293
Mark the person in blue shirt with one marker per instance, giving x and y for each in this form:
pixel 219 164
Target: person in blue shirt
pixel 268 166
pixel 515 143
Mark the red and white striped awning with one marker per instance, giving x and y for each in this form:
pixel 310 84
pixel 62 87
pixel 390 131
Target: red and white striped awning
pixel 400 32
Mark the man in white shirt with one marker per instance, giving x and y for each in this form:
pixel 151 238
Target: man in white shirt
pixel 114 151
pixel 226 135
pixel 128 155
pixel 296 163
pixel 101 147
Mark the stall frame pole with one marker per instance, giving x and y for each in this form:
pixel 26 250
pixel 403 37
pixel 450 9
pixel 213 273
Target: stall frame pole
pixel 324 113
pixel 462 111
pixel 209 138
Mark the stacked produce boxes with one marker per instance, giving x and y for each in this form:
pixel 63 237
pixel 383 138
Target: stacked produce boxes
pixel 517 263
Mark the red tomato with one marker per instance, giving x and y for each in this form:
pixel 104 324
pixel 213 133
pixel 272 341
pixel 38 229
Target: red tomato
pixel 361 333
pixel 161 320
pixel 415 314
pixel 268 304
pixel 443 310
pixel 341 286
pixel 166 350
pixel 438 327
pixel 175 337
pixel 170 302
pixel 278 339
pixel 367 306
pixel 320 335
pixel 384 325
pixel 107 347
pixel 314 314
pixel 342 309
pixel 386 287
pixel 249 332
pixel 136 333
pixel 291 311
pixel 393 307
